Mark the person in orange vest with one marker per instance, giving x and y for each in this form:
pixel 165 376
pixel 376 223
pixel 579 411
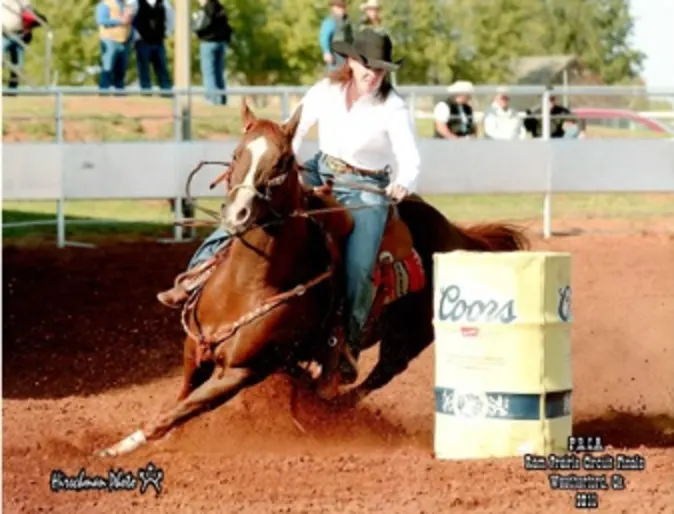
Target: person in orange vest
pixel 114 19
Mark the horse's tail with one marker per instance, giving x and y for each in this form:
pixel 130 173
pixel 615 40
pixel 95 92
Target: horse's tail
pixel 494 237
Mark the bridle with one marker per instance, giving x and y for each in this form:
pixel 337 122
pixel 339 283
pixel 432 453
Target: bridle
pixel 207 343
pixel 287 163
pixel 226 176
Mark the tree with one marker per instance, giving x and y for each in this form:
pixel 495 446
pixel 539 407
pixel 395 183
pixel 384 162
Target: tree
pixel 276 41
pixel 492 33
pixel 297 23
pixel 423 33
pixel 76 45
pixel 597 31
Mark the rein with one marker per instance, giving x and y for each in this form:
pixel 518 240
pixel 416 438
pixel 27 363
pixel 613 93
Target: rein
pixel 226 175
pixel 207 343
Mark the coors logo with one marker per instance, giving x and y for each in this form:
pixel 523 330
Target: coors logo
pixel 455 307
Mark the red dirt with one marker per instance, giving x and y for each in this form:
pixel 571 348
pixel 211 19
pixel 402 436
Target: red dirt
pixel 89 354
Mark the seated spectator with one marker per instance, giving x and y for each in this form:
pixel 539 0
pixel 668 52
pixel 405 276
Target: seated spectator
pixel 501 121
pixel 114 20
pixel 563 124
pixel 153 23
pixel 454 116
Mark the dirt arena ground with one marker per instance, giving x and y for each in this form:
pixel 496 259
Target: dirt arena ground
pixel 88 354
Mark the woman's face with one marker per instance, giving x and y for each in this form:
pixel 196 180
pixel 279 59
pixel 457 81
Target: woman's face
pixel 366 80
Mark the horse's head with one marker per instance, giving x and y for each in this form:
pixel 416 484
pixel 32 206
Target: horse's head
pixel 264 176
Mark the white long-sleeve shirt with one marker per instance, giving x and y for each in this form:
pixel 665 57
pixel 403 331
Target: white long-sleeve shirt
pixel 502 123
pixel 371 136
pixel 11 15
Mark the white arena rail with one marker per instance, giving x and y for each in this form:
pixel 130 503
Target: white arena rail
pixel 63 171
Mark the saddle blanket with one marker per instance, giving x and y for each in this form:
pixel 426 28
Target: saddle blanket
pixel 399 278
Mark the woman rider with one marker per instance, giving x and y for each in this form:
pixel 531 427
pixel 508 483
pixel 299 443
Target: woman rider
pixel 364 126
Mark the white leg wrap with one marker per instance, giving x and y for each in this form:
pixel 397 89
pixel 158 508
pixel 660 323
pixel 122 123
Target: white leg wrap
pixel 130 443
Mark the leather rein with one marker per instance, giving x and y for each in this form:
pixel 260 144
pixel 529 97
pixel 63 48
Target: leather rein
pixel 206 343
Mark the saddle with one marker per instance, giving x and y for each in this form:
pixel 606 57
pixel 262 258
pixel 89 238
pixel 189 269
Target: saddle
pixel 399 269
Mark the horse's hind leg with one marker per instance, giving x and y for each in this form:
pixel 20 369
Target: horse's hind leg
pixel 403 340
pixel 223 384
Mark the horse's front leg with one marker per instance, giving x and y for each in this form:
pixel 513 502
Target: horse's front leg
pixel 223 384
pixel 193 374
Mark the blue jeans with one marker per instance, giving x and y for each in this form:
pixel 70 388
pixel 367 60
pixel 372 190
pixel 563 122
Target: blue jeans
pixel 361 248
pixel 114 61
pixel 212 60
pixel 152 54
pixel 572 132
pixel 15 53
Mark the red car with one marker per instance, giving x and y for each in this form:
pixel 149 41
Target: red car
pixel 621 119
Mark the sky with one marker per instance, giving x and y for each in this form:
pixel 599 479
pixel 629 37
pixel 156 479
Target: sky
pixel 654 35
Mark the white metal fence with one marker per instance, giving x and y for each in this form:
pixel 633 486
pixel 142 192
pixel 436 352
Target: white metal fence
pixel 63 171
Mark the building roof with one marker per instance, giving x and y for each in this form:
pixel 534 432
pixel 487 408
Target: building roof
pixel 543 69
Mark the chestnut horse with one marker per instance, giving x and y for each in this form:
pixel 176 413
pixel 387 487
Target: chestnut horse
pixel 274 297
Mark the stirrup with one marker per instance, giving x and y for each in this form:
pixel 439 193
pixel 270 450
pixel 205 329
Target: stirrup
pixel 348 366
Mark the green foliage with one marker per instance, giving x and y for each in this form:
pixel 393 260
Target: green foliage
pixel 75 40
pixel 492 32
pixel 276 41
pixel 598 31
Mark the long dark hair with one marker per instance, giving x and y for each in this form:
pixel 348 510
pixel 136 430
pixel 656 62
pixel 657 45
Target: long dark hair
pixel 344 74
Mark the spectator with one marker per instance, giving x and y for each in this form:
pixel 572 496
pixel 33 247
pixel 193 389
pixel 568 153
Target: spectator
pixel 215 33
pixel 114 20
pixel 501 121
pixel 372 17
pixel 454 116
pixel 335 27
pixel 153 23
pixel 563 124
pixel 19 18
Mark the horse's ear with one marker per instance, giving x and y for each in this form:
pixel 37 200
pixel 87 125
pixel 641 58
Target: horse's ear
pixel 290 126
pixel 247 116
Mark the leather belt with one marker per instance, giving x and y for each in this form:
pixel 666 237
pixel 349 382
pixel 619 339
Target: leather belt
pixel 338 166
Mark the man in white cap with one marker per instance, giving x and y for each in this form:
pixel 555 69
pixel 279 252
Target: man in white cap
pixel 501 121
pixel 454 116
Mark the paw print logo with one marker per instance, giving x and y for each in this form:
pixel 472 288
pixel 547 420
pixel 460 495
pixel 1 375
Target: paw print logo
pixel 151 475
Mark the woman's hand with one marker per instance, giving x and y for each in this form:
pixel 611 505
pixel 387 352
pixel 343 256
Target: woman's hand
pixel 397 192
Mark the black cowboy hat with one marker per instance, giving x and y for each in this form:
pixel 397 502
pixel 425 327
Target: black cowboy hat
pixel 371 49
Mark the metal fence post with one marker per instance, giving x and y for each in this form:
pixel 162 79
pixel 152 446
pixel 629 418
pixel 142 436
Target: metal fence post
pixel 547 201
pixel 60 203
pixel 285 106
pixel 179 135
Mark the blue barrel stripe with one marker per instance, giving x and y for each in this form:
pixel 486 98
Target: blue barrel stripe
pixel 500 405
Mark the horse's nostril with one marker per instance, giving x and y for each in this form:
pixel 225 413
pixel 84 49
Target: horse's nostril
pixel 243 214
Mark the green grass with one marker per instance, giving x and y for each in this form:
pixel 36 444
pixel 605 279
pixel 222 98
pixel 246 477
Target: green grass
pixel 94 118
pixel 127 119
pixel 137 219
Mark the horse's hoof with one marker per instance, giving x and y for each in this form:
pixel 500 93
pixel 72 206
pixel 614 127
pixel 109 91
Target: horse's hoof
pixel 107 452
pixel 327 392
pixel 126 445
pixel 349 399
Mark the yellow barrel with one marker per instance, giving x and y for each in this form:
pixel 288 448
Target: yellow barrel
pixel 502 354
